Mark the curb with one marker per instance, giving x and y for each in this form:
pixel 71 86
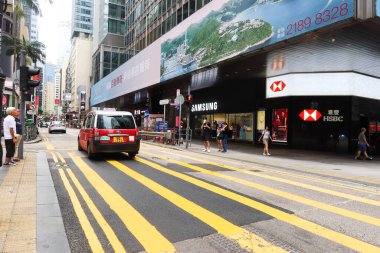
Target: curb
pixel 51 234
pixel 38 139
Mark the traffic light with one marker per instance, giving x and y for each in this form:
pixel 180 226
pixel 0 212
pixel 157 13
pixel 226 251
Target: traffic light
pixel 25 82
pixel 189 100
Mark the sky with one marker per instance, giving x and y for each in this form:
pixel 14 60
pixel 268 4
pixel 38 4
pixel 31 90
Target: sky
pixel 54 28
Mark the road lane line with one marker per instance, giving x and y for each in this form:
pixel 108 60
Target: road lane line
pixel 292 219
pixel 108 231
pixel 60 157
pixel 149 237
pixel 329 208
pixel 48 144
pixel 318 180
pixel 54 157
pixel 246 239
pixel 92 238
pixel 286 181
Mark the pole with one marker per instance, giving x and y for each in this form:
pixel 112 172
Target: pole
pixel 188 121
pixel 164 112
pixel 179 122
pixel 22 110
pixel 2 81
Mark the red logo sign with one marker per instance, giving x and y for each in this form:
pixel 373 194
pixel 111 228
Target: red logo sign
pixel 56 101
pixel 278 86
pixel 310 115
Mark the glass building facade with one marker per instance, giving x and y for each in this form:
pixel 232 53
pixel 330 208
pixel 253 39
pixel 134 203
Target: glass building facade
pixel 82 17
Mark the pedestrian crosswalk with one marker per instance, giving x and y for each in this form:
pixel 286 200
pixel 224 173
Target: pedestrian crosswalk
pixel 164 197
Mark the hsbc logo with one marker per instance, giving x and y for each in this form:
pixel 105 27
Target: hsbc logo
pixel 278 86
pixel 310 115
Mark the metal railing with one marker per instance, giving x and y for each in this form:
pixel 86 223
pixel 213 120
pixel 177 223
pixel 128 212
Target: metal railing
pixel 171 136
pixel 30 133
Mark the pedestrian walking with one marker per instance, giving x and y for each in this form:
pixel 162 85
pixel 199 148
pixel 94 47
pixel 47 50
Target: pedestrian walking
pixel 9 125
pixel 18 134
pixel 206 135
pixel 362 145
pixel 265 136
pixel 219 137
pixel 224 132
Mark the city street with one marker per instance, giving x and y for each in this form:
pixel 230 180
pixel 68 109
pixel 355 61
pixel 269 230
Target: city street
pixel 169 200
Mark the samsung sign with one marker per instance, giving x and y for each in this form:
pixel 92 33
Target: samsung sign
pixel 204 107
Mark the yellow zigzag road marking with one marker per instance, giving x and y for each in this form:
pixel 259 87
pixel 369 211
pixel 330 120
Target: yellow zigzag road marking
pixel 244 238
pixel 311 227
pixel 149 237
pixel 83 220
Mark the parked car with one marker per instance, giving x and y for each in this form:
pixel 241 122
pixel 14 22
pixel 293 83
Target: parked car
pixel 57 126
pixel 43 124
pixel 109 132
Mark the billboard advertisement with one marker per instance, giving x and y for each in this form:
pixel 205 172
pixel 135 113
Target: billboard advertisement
pixel 234 27
pixel 220 30
pixel 280 125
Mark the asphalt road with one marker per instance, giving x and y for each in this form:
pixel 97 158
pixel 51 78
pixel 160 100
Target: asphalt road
pixel 167 200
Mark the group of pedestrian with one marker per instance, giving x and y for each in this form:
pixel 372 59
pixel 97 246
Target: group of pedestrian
pixel 12 135
pixel 216 130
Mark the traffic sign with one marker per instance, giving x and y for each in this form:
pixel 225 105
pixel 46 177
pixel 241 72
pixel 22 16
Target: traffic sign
pixel 164 102
pixel 179 99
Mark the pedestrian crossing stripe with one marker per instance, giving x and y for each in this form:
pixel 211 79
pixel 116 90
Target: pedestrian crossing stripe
pixel 246 239
pixel 149 237
pixel 311 227
pixel 88 230
pixel 283 194
pixel 286 181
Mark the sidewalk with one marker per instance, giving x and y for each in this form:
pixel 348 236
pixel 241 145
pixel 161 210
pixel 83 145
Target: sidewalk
pixel 341 166
pixel 30 218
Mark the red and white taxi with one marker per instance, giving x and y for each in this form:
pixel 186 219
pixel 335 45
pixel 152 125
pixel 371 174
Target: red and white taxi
pixel 109 132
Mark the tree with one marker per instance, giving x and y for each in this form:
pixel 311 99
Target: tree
pixel 33 49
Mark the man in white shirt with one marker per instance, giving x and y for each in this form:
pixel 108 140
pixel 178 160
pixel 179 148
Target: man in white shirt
pixel 10 135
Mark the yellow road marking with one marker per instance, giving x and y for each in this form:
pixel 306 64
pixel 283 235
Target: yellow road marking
pixel 83 220
pixel 54 157
pixel 318 180
pixel 311 227
pixel 110 234
pixel 283 194
pixel 149 237
pixel 244 238
pixel 286 181
pixel 60 157
pixel 48 144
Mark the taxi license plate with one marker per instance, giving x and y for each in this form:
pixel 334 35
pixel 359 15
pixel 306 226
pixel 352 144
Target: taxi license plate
pixel 118 139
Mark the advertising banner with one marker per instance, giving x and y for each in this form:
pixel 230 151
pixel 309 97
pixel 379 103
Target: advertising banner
pixel 280 125
pixel 234 27
pixel 220 30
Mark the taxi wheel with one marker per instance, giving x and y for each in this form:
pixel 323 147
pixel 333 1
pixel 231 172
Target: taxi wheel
pixel 131 155
pixel 90 154
pixel 79 147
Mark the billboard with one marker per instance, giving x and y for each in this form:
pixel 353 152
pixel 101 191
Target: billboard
pixel 220 30
pixel 234 27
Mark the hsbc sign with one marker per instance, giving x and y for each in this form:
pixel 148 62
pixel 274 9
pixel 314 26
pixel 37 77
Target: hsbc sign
pixel 315 115
pixel 278 86
pixel 310 115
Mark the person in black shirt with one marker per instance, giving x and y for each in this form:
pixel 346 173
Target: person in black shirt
pixel 206 134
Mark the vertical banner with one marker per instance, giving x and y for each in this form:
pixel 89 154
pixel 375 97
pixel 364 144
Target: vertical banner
pixel 280 125
pixel 82 100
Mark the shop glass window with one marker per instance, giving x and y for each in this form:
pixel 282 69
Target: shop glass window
pixel 107 57
pixel 280 125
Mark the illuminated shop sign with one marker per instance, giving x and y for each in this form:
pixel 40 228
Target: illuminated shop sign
pixel 314 115
pixel 204 107
pixel 333 116
pixel 278 86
